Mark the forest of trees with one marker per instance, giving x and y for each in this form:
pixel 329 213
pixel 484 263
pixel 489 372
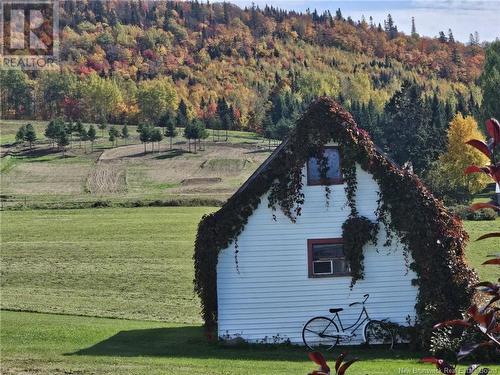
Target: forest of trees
pixel 130 61
pixel 217 66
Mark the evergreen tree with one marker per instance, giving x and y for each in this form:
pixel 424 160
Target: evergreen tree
pixel 477 40
pixel 125 134
pixel 113 135
pixel 451 38
pixel 461 105
pixel 30 135
pixel 80 131
pixel 102 126
pixel 170 130
pixel 390 28
pixel 456 57
pixel 69 128
pixel 112 138
pixel 268 128
pixel 26 133
pixel 438 123
pixel 448 112
pixel 214 123
pixel 338 15
pixel 225 115
pixel 54 127
pixel 409 138
pixel 490 82
pixel 413 28
pixel 190 132
pixel 201 132
pixel 182 115
pixel 145 136
pixel 91 135
pixel 21 133
pixel 62 140
pixel 442 37
pixel 472 42
pixel 282 128
pixel 156 136
pixel 473 107
pixel 84 137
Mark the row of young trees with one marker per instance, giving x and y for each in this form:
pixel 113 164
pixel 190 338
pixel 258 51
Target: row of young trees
pixel 61 133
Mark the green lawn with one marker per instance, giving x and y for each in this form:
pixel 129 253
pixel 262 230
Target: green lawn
pixel 130 264
pixel 58 344
pixel 478 251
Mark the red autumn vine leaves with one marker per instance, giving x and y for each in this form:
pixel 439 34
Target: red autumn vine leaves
pixel 324 369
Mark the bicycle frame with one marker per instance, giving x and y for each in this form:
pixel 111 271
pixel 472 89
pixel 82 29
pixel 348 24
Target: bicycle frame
pixel 358 323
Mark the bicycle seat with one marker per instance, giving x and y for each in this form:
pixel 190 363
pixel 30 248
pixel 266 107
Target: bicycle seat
pixel 333 311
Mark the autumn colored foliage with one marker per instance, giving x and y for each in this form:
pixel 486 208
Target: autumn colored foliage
pixel 248 57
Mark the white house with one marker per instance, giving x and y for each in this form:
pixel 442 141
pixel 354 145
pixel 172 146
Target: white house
pixel 273 274
pixel 275 290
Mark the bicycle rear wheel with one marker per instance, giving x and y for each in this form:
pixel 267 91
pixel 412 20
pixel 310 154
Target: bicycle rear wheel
pixel 377 332
pixel 320 332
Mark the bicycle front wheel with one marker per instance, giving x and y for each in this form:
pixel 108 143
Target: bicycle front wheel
pixel 320 333
pixel 377 332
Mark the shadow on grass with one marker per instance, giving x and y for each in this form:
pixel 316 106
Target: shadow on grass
pixel 38 153
pixel 190 342
pixel 171 154
pixel 260 151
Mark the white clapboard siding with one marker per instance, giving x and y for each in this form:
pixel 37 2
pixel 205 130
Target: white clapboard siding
pixel 272 295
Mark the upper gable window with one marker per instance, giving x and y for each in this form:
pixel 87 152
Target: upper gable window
pixel 333 175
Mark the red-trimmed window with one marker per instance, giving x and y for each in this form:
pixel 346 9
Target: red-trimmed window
pixel 334 173
pixel 326 258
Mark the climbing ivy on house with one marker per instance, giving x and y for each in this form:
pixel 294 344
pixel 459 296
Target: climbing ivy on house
pixel 433 236
pixel 357 231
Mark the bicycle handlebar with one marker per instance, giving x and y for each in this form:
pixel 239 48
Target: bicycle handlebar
pixel 356 303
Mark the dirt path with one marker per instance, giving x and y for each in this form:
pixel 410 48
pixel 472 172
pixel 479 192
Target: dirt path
pixel 218 168
pixel 107 177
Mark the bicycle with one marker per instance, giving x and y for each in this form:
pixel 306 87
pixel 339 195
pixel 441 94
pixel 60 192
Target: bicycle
pixel 321 331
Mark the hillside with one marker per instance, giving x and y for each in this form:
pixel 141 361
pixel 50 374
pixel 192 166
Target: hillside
pixel 115 52
pixel 42 176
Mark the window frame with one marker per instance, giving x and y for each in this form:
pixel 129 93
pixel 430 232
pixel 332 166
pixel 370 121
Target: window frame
pixel 310 256
pixel 328 181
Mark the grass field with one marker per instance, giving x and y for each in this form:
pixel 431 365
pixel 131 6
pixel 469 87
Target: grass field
pixel 126 263
pixel 43 177
pixel 478 251
pixel 57 344
pixel 131 264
